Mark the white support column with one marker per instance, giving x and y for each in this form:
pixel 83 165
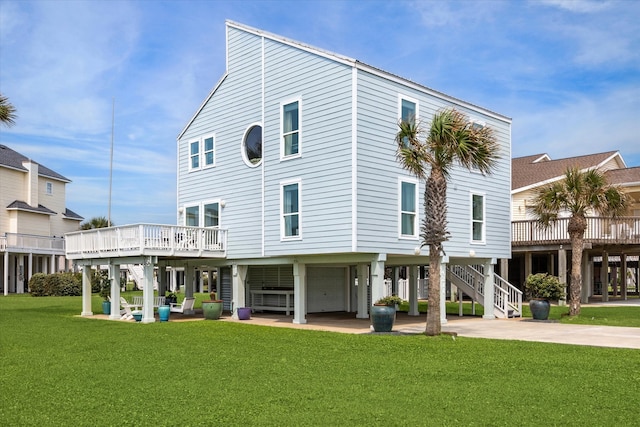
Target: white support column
pixel 504 269
pixel 238 299
pixel 29 268
pixel 299 293
pixel 377 278
pixel 86 291
pixel 443 290
pixel 114 279
pixel 363 303
pixel 174 278
pixel 147 292
pixel 5 273
pixel 562 273
pixel 52 267
pixel 488 291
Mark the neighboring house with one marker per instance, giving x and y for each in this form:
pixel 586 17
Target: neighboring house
pixel 617 241
pixel 289 169
pixel 33 220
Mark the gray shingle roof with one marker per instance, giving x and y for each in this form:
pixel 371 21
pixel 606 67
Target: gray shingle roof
pixel 12 159
pixel 68 213
pixel 24 206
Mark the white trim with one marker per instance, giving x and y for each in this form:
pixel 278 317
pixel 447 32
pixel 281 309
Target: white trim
pixel 203 151
pixel 211 202
pixel 262 169
pixel 297 181
pixel 354 159
pixel 415 182
pixel 215 88
pixel 484 218
pixel 189 155
pixel 242 150
pixel 402 97
pixel 187 206
pixel 48 188
pixel 283 103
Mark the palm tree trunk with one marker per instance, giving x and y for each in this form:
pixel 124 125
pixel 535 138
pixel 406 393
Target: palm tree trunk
pixel 576 228
pixel 434 326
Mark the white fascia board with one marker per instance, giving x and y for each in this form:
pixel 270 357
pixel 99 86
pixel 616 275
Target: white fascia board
pixel 215 88
pixel 611 157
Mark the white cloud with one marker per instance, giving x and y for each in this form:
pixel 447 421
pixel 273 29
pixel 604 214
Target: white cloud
pixel 579 6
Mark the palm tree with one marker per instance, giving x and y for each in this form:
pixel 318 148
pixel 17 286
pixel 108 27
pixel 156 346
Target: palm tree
pixel 7 112
pixel 95 222
pixel 578 194
pixel 452 139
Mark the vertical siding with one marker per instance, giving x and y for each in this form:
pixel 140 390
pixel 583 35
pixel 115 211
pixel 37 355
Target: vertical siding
pixel 324 167
pixel 378 173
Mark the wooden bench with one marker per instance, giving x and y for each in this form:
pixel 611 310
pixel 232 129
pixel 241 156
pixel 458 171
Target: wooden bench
pixel 157 301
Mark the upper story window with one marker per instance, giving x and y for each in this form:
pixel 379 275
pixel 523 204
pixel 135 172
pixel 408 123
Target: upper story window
pixel 408 209
pixel 477 218
pixel 407 110
pixel 252 145
pixel 290 210
pixel 290 129
pixel 49 188
pixel 194 155
pixel 209 152
pixel 192 216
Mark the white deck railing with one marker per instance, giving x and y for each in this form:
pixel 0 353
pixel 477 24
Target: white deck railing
pixel 147 240
pixel 32 243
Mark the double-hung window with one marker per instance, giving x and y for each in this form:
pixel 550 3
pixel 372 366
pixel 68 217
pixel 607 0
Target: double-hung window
pixel 408 209
pixel 290 129
pixel 290 210
pixel 208 150
pixel 408 112
pixel 49 188
pixel 477 218
pixel 194 155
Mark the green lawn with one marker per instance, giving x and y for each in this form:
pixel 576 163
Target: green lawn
pixel 57 369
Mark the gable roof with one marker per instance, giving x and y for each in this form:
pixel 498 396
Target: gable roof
pixel 624 177
pixel 531 171
pixel 69 214
pixel 13 160
pixel 19 205
pixel 343 60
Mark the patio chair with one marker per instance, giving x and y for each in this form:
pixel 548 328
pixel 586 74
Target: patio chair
pixel 187 304
pixel 126 309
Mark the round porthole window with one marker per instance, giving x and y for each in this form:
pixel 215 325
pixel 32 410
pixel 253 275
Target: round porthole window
pixel 252 146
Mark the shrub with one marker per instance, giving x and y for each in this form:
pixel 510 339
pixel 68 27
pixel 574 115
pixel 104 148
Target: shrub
pixel 391 300
pixel 37 285
pixel 544 286
pixel 57 284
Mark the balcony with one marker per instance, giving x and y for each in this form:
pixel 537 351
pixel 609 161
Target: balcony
pixel 29 243
pixel 147 240
pixel 600 231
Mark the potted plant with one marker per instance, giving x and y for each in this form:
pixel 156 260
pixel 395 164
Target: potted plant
pixel 383 313
pixel 170 298
pixel 541 288
pixel 105 290
pixel 212 309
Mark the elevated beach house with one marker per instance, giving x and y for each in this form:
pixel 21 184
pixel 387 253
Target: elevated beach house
pixel 33 220
pixel 289 188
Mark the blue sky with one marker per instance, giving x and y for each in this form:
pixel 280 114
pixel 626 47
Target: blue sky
pixel 566 72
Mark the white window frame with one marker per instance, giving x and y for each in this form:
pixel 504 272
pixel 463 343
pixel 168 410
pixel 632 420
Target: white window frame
pixel 211 202
pixel 190 155
pixel 402 97
pixel 416 213
pixel 203 156
pixel 472 221
pixel 48 188
pixel 186 208
pixel 243 152
pixel 283 235
pixel 284 103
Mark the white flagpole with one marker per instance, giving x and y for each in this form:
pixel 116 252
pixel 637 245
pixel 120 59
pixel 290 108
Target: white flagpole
pixel 113 114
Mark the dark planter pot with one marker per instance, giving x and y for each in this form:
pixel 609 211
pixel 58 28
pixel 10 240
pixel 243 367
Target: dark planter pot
pixel 382 317
pixel 171 300
pixel 539 309
pixel 106 307
pixel 212 310
pixel 244 313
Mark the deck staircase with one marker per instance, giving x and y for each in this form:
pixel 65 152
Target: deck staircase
pixel 136 273
pixel 507 299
